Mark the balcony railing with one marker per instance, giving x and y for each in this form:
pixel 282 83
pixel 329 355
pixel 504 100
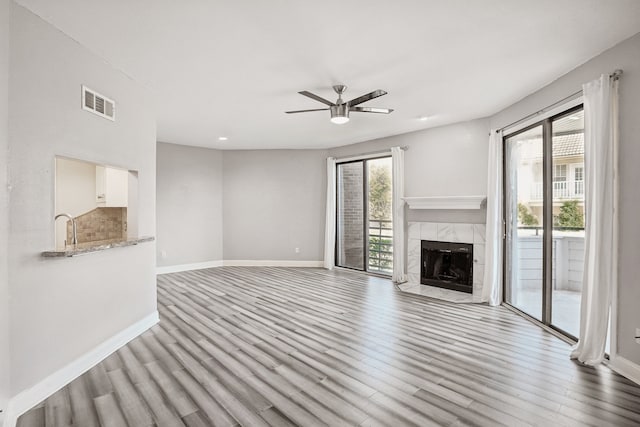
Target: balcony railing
pixel 380 246
pixel 561 190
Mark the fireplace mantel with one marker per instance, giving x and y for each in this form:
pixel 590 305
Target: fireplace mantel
pixel 445 202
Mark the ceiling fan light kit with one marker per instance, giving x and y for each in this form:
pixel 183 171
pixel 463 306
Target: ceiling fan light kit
pixel 340 109
pixel 339 114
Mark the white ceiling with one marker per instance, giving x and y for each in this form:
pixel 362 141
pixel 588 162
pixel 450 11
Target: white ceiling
pixel 231 68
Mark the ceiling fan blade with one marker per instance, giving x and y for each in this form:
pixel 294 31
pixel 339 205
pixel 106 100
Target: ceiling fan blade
pixel 371 110
pixel 316 97
pixel 367 97
pixel 306 111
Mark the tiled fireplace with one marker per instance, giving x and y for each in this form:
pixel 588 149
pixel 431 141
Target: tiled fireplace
pixel 444 232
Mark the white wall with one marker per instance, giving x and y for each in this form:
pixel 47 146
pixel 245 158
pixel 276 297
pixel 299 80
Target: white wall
pixel 274 202
pixel 75 192
pixel 4 210
pixel 63 308
pixel 189 201
pixel 444 161
pixel 626 56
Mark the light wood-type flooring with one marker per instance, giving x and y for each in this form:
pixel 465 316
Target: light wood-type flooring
pixel 258 346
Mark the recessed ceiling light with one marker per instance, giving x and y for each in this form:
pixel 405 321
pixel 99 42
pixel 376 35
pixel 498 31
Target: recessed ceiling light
pixel 423 118
pixel 222 138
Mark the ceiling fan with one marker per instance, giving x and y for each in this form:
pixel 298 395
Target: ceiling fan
pixel 340 110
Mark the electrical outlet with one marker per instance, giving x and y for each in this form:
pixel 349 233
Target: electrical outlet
pixel 163 254
pixel 297 250
pixel 637 335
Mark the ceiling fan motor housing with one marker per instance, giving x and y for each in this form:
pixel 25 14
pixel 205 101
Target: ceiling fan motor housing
pixel 339 113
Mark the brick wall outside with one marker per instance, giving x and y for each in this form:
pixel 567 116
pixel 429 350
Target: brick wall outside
pixel 350 215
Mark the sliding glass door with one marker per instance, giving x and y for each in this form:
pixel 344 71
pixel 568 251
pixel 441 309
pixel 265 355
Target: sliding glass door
pixel 567 162
pixel 544 215
pixel 350 215
pixel 363 215
pixel 524 217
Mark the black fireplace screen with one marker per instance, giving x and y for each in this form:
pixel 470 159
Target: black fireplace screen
pixel 447 265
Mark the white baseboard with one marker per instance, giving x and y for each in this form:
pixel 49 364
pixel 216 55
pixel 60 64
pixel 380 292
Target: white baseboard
pixel 271 263
pixel 26 399
pixel 626 368
pixel 237 263
pixel 188 267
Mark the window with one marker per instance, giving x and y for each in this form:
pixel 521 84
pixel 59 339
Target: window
pixel 559 173
pixel 578 181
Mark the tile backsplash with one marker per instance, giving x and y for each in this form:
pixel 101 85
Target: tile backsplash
pixel 100 224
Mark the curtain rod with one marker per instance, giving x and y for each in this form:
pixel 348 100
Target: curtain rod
pixel 615 76
pixel 354 156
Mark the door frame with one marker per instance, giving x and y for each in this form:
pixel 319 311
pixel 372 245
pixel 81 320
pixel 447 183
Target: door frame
pixel 365 210
pixel 547 220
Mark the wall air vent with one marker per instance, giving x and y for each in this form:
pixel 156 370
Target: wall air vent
pixel 98 104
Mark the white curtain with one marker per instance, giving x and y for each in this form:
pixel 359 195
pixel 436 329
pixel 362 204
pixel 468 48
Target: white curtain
pixel 399 269
pixel 330 219
pixel 600 161
pixel 492 284
pixel 513 156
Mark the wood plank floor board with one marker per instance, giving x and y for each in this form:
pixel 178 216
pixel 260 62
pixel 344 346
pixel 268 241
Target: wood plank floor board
pixel 530 413
pixel 286 359
pixel 98 381
pixel 109 411
pixel 594 405
pixel 82 409
pixel 161 353
pixel 164 414
pixel 58 410
pixel 176 395
pixel 237 386
pixel 377 414
pixel 402 410
pixel 332 371
pixel 276 418
pixel 32 418
pixel 305 346
pixel 465 415
pixel 216 414
pixel 141 351
pixel 275 380
pixel 132 404
pixel 134 369
pixel 298 414
pixel 195 420
pixel 112 362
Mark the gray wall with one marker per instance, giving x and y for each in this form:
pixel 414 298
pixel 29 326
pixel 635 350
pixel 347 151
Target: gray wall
pixel 63 308
pixel 626 56
pixel 189 203
pixel 443 161
pixel 4 210
pixel 273 202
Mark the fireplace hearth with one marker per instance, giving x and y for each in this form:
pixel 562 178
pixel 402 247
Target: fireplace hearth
pixel 447 265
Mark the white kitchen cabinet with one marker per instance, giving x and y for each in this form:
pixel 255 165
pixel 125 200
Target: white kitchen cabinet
pixel 111 187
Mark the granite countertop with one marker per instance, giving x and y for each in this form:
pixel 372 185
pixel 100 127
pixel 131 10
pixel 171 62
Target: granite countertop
pixel 101 245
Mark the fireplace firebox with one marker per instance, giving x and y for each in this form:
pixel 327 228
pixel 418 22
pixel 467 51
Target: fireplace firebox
pixel 447 265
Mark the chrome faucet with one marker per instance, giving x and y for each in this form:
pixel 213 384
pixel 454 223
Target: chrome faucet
pixel 74 231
